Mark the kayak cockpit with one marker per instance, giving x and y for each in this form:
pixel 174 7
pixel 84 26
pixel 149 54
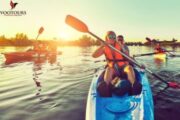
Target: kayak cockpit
pixel 126 107
pixel 118 107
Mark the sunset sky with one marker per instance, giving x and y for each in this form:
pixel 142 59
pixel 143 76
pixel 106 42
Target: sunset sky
pixel 135 19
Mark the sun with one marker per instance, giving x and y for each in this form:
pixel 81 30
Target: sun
pixel 66 33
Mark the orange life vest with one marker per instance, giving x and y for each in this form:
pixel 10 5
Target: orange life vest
pixel 114 57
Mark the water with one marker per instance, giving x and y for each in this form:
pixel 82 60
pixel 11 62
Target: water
pixel 56 89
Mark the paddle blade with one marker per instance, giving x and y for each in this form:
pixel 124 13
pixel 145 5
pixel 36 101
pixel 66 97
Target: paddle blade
pixel 148 39
pixel 173 85
pixel 41 29
pixel 76 24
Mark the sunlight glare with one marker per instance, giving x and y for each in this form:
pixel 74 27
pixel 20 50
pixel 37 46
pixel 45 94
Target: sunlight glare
pixel 66 33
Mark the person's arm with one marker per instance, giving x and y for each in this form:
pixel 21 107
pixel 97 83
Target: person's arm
pixel 98 52
pixel 127 49
pixel 128 54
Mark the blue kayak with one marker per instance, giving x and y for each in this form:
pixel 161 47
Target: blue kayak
pixel 139 107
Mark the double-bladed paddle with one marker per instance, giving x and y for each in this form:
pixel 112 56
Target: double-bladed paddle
pixel 82 27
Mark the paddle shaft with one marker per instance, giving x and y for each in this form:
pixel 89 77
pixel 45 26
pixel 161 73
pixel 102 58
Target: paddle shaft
pixel 100 61
pixel 39 32
pixel 170 54
pixel 139 55
pixel 37 36
pixel 35 40
pixel 157 76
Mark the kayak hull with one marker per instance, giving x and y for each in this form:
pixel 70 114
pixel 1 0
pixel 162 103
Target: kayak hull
pixel 27 56
pixel 161 56
pixel 139 107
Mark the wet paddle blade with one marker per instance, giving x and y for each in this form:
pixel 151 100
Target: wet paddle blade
pixel 148 39
pixel 173 85
pixel 76 24
pixel 41 29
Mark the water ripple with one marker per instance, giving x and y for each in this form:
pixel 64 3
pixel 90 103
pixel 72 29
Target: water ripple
pixel 58 90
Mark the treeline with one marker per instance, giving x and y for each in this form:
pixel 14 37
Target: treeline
pixel 172 42
pixel 82 41
pixel 22 39
pixel 134 43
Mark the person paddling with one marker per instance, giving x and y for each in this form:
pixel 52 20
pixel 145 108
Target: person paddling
pixel 36 47
pixel 117 65
pixel 125 49
pixel 158 48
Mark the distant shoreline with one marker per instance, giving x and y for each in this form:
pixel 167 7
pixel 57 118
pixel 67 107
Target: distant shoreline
pixel 75 43
pixel 21 39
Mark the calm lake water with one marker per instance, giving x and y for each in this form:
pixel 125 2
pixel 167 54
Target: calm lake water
pixel 57 88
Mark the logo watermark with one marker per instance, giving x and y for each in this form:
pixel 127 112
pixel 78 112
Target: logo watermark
pixel 12 4
pixel 13 12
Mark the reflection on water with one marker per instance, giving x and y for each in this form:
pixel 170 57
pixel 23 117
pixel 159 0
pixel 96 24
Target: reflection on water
pixel 36 73
pixel 56 88
pixel 160 63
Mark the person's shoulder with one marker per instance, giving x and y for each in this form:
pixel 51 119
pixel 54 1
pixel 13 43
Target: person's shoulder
pixel 126 47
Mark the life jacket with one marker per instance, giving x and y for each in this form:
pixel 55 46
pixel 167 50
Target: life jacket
pixel 114 57
pixel 158 49
pixel 36 47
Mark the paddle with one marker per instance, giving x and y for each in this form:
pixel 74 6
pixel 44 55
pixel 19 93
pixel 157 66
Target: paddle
pixel 41 29
pixel 82 27
pixel 99 61
pixel 139 55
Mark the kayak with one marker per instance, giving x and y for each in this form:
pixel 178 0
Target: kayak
pixel 139 107
pixel 28 56
pixel 160 56
pixel 51 59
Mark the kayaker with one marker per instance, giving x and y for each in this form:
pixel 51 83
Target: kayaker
pixel 39 46
pixel 36 46
pixel 117 65
pixel 43 47
pixel 121 86
pixel 158 48
pixel 125 49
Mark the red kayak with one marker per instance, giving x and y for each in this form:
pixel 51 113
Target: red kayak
pixel 28 56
